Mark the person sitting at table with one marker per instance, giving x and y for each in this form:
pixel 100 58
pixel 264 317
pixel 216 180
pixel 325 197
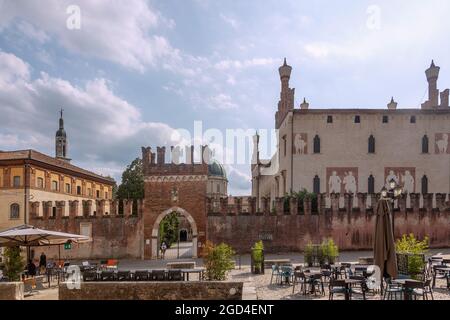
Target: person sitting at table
pixel 42 263
pixel 31 267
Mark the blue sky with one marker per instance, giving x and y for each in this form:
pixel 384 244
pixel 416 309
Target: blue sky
pixel 137 70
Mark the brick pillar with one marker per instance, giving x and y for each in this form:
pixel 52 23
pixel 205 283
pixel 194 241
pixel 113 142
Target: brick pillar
pixel 307 206
pixel 335 202
pixel 252 205
pixel 60 205
pixel 362 202
pixel 293 206
pixel 265 208
pixel 73 207
pixel 279 206
pixel 440 202
pixel 224 206
pixel 415 201
pixel 34 210
pixel 402 203
pixel 238 205
pixel 87 204
pixel 348 202
pixel 428 202
pixel 101 208
pixel 321 204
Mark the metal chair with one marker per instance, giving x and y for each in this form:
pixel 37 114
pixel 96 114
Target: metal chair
pixel 123 276
pixel 392 290
pixel 158 275
pixel 275 272
pixel 299 277
pixel 362 287
pixel 108 275
pixel 336 286
pixel 174 275
pixel 90 275
pixel 141 275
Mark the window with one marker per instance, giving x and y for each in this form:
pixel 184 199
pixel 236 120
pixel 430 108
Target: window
pixel 54 212
pixel 98 194
pixel 357 119
pixel 371 144
pixel 284 145
pixel 40 183
pixel 330 119
pixel 218 188
pixel 90 192
pixel 16 181
pixel 67 187
pixel 14 211
pixel 425 144
pixel 54 185
pixel 106 195
pixel 78 190
pixel 412 119
pixel 424 184
pixel 371 185
pixel 385 119
pixel 316 144
pixel 316 185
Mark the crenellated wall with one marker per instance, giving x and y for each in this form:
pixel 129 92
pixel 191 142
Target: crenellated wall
pixel 117 233
pixel 291 227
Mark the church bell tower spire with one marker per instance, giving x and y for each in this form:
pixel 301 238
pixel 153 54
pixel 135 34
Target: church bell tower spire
pixel 61 140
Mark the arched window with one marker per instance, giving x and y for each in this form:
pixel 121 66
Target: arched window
pixel 424 184
pixel 371 185
pixel 40 183
pixel 425 144
pixel 316 185
pixel 316 144
pixel 412 119
pixel 371 144
pixel 14 211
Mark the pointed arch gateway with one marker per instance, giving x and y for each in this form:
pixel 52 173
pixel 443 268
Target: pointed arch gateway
pixel 155 230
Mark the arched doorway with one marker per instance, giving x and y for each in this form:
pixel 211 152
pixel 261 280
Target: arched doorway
pixel 184 250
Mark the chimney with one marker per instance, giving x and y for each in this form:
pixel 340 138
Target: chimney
pixel 444 98
pixel 304 105
pixel 146 156
pixel 392 105
pixel 161 155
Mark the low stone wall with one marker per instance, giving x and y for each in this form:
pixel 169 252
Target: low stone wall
pixel 11 291
pixel 201 290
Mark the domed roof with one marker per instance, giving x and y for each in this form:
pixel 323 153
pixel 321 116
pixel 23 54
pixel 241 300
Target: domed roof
pixel 216 169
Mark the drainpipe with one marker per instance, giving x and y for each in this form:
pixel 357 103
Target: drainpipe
pixel 292 153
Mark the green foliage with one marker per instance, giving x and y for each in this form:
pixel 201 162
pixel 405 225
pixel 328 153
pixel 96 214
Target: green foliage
pixel 309 254
pixel 303 194
pixel 218 260
pixel 414 249
pixel 330 250
pixel 258 255
pixel 132 186
pixel 168 229
pixel 14 263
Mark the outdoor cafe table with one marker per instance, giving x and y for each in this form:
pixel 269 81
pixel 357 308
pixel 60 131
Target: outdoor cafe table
pixel 402 282
pixel 199 271
pixel 348 285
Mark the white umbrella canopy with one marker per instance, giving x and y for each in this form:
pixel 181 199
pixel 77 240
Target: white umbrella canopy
pixel 29 236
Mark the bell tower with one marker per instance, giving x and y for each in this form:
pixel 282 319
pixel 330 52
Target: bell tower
pixel 286 102
pixel 61 150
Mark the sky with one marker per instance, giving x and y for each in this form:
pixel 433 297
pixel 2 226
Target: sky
pixel 130 73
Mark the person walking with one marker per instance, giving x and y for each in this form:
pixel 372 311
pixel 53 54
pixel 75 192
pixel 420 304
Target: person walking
pixel 163 249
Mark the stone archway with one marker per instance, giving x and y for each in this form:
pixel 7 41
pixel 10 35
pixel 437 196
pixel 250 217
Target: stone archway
pixel 155 230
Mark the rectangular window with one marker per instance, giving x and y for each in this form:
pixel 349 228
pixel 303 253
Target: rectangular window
pixel 413 119
pixel 284 145
pixel 78 190
pixel 106 195
pixel 86 229
pixel 54 212
pixel 385 119
pixel 16 182
pixel 40 183
pixel 330 119
pixel 98 193
pixel 68 188
pixel 357 119
pixel 54 185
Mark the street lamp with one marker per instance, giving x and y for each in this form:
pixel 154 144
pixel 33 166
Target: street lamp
pixel 395 191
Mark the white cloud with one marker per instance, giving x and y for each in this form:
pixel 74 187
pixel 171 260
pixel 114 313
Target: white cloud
pixel 239 65
pixel 230 21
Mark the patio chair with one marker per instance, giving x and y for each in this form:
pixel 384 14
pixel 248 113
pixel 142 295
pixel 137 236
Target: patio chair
pixel 174 275
pixel 108 275
pixel 158 275
pixel 438 274
pixel 419 289
pixel 326 275
pixel 299 277
pixel 336 286
pixel 359 289
pixel 392 290
pixel 316 284
pixel 275 272
pixel 90 275
pixel 123 276
pixel 141 275
pixel 344 271
pixel 287 273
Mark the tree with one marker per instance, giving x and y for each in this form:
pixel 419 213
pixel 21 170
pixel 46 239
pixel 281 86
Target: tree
pixel 14 263
pixel 132 186
pixel 168 229
pixel 218 260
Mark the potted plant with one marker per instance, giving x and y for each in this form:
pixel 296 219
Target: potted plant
pixel 258 256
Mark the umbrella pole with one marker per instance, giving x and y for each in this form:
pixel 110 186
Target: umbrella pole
pixel 59 259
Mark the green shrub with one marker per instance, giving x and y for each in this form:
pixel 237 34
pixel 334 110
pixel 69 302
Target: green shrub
pixel 414 249
pixel 308 254
pixel 258 255
pixel 168 229
pixel 330 250
pixel 218 260
pixel 14 263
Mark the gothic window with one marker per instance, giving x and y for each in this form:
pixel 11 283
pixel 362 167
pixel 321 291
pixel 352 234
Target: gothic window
pixel 371 185
pixel 412 119
pixel 16 181
pixel 357 119
pixel 425 144
pixel 316 144
pixel 371 144
pixel 316 185
pixel 14 211
pixel 424 184
pixel 40 183
pixel 54 185
pixel 330 119
pixel 385 119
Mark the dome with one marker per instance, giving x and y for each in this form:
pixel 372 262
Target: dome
pixel 216 169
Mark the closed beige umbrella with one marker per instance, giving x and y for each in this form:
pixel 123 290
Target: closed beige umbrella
pixel 384 243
